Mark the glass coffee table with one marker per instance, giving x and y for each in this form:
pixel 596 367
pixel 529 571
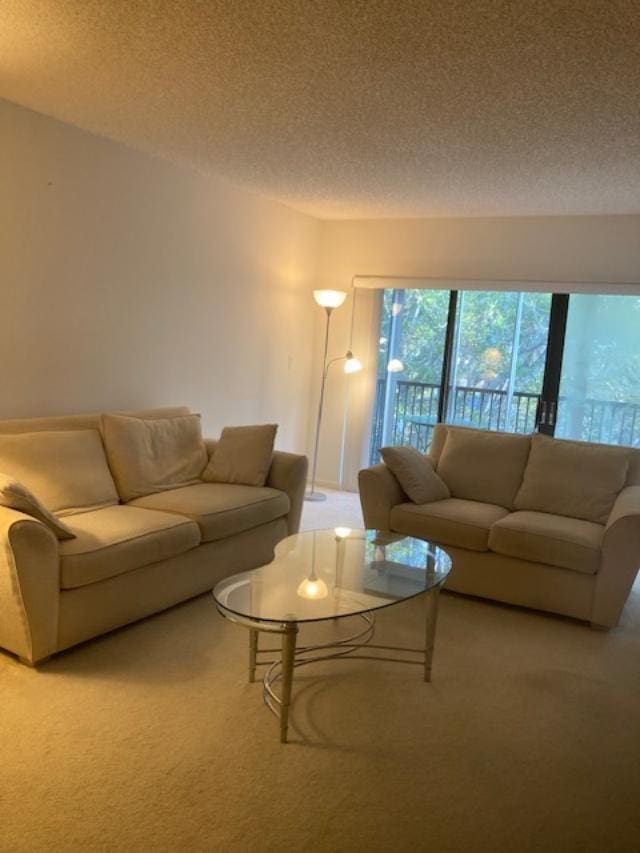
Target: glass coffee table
pixel 324 575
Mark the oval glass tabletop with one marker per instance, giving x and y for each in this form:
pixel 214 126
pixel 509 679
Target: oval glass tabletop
pixel 325 574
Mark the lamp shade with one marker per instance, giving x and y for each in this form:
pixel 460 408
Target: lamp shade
pixel 352 364
pixel 395 366
pixel 330 298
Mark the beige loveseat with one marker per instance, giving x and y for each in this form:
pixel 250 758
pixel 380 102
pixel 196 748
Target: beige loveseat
pixel 533 521
pixel 126 560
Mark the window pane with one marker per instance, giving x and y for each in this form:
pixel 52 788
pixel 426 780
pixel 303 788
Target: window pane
pixel 411 350
pixel 498 359
pixel 600 380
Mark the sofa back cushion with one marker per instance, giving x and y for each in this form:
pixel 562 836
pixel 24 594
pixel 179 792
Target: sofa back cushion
pixel 633 477
pixel 148 456
pixel 572 478
pixel 478 465
pixel 66 470
pixel 57 423
pixel 438 438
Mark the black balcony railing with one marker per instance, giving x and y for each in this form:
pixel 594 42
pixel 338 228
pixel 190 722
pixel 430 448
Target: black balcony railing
pixel 415 413
pixel 605 421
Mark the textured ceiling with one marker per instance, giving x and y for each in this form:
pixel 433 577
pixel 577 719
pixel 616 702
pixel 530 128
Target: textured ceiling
pixel 353 108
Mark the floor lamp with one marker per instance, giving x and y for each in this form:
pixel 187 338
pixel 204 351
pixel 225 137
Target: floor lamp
pixel 327 299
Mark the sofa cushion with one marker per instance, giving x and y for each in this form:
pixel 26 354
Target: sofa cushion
pixel 152 455
pixel 15 495
pixel 569 543
pixel 415 473
pixel 242 455
pixel 66 469
pixel 221 509
pixel 118 539
pixel 478 465
pixel 573 478
pixel 448 522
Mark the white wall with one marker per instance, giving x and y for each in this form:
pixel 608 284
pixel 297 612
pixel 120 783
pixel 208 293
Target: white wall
pixel 562 249
pixel 127 281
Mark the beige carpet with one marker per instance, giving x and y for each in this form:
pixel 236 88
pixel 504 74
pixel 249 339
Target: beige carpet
pixel 150 739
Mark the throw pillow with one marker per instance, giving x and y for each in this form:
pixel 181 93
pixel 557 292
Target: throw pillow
pixel 573 479
pixel 415 473
pixel 243 455
pixel 152 455
pixel 16 496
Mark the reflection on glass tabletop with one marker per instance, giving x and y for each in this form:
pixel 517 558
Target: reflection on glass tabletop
pixel 324 574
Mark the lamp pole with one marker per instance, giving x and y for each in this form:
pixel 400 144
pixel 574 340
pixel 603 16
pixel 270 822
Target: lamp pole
pixel 312 495
pixel 327 299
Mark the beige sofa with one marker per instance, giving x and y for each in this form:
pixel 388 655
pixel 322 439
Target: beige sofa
pixel 127 560
pixel 533 521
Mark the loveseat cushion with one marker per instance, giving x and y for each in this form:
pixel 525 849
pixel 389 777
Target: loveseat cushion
pixel 220 509
pixel 573 478
pixel 478 465
pixel 119 539
pixel 569 543
pixel 449 522
pixel 66 469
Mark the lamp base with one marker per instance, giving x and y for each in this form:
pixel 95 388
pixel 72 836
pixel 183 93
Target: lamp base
pixel 315 496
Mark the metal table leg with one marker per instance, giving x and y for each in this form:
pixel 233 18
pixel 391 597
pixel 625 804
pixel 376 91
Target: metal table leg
pixel 431 613
pixel 349 648
pixel 288 658
pixel 253 653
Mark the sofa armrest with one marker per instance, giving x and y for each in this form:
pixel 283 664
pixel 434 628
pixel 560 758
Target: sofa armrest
pixel 620 558
pixel 627 505
pixel 288 473
pixel 29 586
pixel 379 493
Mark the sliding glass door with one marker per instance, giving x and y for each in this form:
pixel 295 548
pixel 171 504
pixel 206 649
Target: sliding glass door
pixel 599 393
pixel 498 360
pixel 509 361
pixel 413 333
